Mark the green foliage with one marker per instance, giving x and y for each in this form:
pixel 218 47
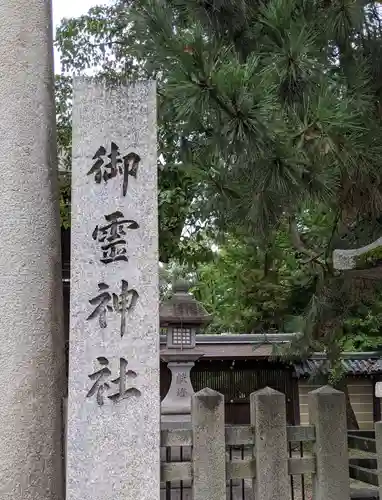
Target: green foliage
pixel 63 87
pixel 363 327
pixel 248 290
pixel 65 191
pixel 269 148
pixel 101 42
pixel 281 121
pixel 372 258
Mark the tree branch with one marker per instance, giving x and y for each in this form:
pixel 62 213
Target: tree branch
pixel 300 245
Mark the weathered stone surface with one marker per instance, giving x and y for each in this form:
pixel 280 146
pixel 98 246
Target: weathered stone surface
pixel 242 490
pixel 209 458
pixel 113 430
pixel 378 389
pixel 378 442
pixel 327 412
pixel 268 416
pixel 346 259
pixel 177 403
pixel 32 357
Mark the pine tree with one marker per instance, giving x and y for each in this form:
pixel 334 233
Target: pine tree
pixel 270 111
pixel 280 104
pixel 283 99
pixel 279 99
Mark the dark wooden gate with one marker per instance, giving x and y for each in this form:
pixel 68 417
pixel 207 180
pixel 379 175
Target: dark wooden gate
pixel 237 380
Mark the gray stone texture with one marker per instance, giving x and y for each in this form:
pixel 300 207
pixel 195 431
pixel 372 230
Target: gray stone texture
pixel 378 443
pixel 241 490
pixel 113 450
pixel 344 260
pixel 268 416
pixel 177 403
pixel 378 389
pixel 208 438
pixel 327 412
pixel 32 358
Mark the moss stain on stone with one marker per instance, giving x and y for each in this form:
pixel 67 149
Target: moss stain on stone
pixel 370 259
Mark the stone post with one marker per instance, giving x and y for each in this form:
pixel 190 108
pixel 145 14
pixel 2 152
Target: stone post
pixel 176 407
pixel 327 412
pixel 378 395
pixel 378 443
pixel 31 356
pixel 208 439
pixel 113 448
pixel 268 418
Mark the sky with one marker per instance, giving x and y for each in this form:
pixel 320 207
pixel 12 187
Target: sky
pixel 71 8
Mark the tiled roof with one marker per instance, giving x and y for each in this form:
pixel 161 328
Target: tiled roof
pixel 352 367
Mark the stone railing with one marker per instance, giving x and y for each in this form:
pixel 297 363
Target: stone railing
pixel 269 466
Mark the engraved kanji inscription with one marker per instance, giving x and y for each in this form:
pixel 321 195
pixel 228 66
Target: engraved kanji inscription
pixel 103 385
pixel 181 378
pixel 107 302
pixel 181 392
pixel 107 166
pixel 112 237
pixel 125 376
pixel 100 377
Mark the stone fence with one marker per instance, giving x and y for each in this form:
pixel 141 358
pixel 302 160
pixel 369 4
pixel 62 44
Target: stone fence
pixel 195 463
pixel 269 467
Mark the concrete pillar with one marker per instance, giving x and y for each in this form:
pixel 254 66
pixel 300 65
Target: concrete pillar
pixel 327 412
pixel 378 442
pixel 208 438
pixel 31 355
pixel 268 418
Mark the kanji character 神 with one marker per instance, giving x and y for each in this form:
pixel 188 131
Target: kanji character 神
pixel 111 302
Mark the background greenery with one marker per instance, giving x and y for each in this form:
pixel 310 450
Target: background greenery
pixel 269 150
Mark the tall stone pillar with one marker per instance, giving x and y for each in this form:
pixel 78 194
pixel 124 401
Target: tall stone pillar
pixel 113 447
pixel 31 353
